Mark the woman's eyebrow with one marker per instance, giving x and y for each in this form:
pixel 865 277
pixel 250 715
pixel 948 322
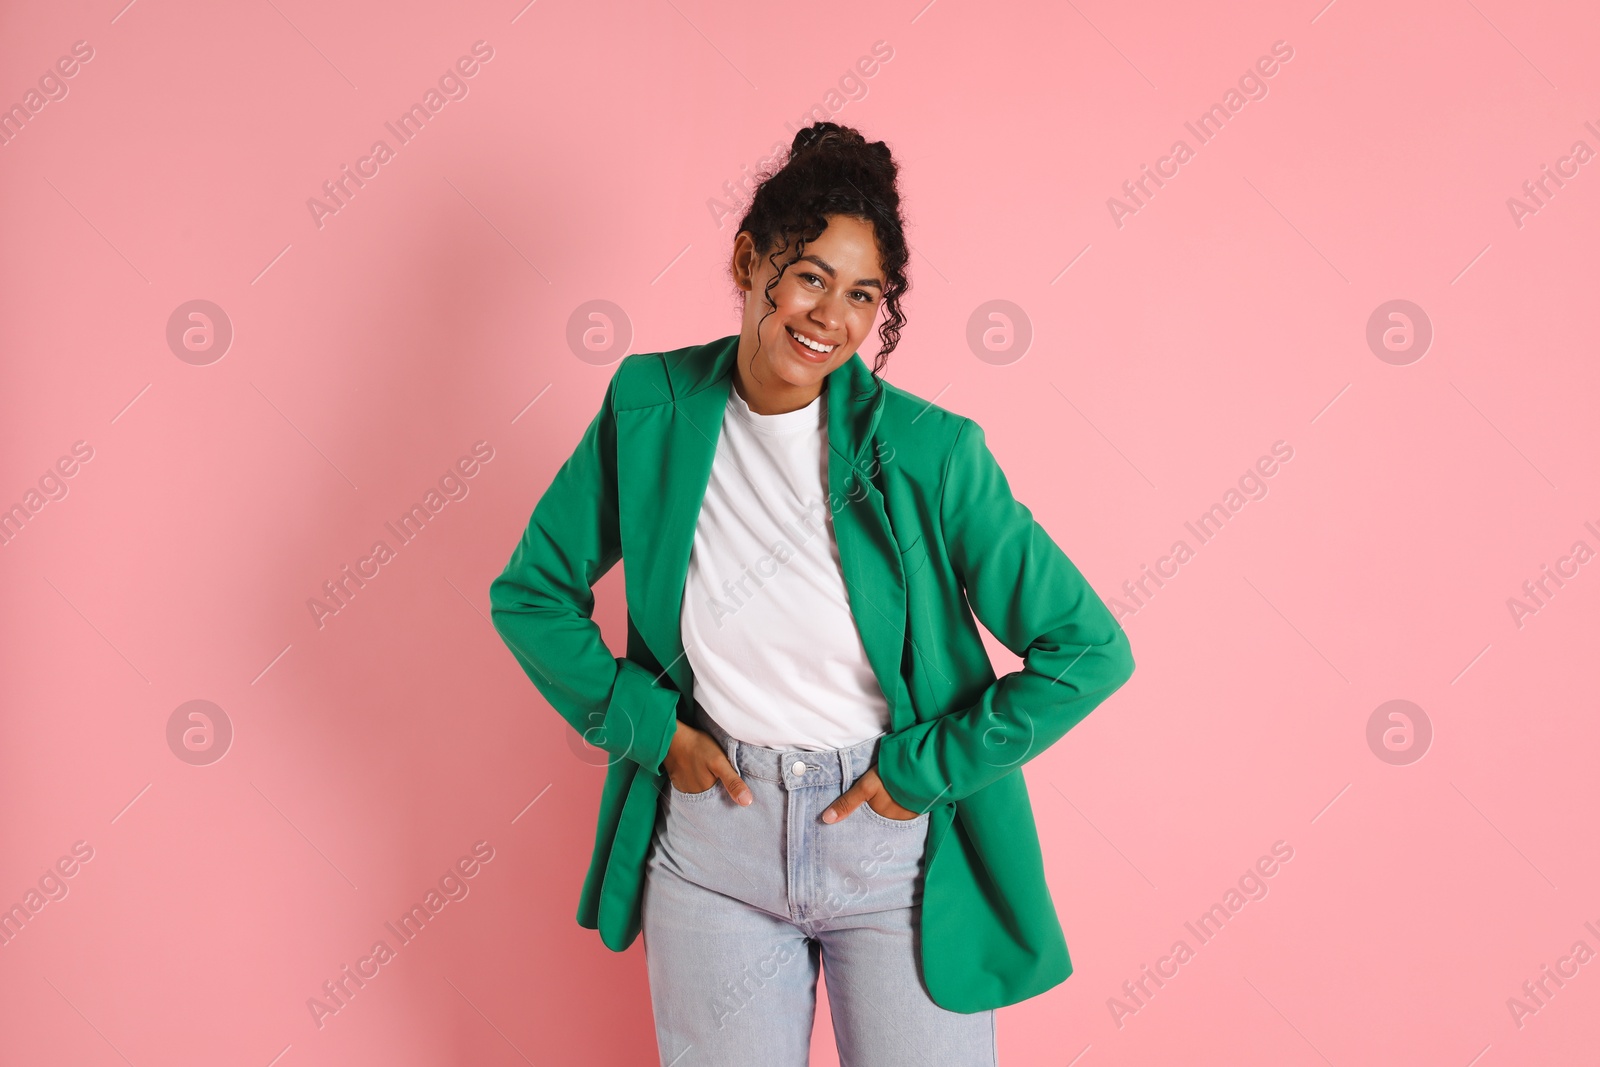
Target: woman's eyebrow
pixel 834 274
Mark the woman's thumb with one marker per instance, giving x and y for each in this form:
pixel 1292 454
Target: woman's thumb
pixel 731 781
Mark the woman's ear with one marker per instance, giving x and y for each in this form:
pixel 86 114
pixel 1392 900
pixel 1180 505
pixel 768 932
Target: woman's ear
pixel 744 258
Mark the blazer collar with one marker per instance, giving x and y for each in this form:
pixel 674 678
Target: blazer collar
pixel 855 397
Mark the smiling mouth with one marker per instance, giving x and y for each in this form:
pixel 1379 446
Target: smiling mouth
pixel 810 344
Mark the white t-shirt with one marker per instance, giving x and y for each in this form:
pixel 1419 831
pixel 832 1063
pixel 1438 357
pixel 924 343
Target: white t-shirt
pixel 766 621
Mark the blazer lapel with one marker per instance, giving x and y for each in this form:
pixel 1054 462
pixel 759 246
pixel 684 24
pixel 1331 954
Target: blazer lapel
pixel 665 455
pixel 868 553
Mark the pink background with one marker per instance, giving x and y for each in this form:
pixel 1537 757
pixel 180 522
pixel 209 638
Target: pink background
pixel 1168 354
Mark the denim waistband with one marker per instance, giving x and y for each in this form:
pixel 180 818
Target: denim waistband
pixel 834 766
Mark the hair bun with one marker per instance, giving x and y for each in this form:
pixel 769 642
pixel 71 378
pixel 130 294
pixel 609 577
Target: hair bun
pixel 823 134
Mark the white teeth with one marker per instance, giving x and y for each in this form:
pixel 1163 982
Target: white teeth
pixel 812 344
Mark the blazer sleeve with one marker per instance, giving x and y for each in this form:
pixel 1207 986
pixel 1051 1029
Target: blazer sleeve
pixel 542 606
pixel 1025 590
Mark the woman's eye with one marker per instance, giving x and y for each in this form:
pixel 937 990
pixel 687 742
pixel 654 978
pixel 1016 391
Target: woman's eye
pixel 860 295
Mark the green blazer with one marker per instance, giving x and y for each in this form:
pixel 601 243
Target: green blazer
pixel 926 527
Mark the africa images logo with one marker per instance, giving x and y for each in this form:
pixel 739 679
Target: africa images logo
pixel 453 885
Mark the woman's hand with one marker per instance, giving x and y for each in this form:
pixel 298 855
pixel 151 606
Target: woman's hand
pixel 695 762
pixel 870 788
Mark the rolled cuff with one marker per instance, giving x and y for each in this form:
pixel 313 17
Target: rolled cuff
pixel 910 781
pixel 640 717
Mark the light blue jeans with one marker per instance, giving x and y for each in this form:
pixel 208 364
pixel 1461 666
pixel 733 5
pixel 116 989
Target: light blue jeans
pixel 741 903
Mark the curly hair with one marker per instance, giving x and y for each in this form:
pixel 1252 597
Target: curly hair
pixel 833 170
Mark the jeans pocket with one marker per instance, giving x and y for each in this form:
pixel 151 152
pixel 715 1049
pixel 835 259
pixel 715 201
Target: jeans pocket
pixel 678 794
pixel 899 824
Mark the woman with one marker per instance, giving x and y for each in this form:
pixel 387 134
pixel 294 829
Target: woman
pixel 811 760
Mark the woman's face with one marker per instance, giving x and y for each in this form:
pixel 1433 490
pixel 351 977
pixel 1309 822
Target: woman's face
pixel 829 296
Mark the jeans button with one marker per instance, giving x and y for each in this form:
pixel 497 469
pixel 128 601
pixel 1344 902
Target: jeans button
pixel 798 767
